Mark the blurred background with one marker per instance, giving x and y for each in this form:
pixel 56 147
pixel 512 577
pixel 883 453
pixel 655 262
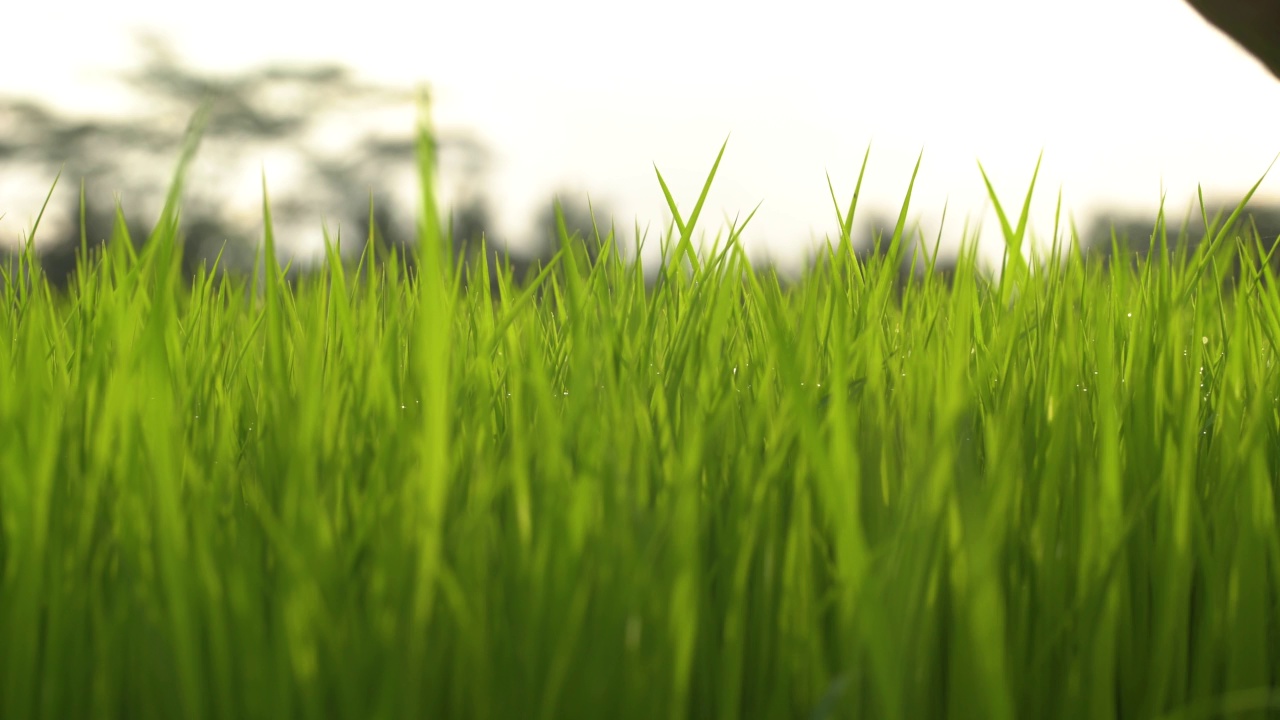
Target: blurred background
pixel 1126 98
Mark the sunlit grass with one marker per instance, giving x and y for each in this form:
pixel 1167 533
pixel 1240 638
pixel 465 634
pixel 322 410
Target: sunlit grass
pixel 375 493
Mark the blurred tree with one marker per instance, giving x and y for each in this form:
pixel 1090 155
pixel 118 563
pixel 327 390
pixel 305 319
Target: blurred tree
pixel 1134 234
pixel 267 109
pixel 582 220
pixel 874 233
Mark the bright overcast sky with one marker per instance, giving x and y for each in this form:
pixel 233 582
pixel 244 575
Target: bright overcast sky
pixel 1121 95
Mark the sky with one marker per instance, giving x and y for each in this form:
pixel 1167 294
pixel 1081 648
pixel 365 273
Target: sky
pixel 1124 98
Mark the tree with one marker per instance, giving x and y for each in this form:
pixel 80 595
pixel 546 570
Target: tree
pixel 277 107
pixel 1135 236
pixel 583 220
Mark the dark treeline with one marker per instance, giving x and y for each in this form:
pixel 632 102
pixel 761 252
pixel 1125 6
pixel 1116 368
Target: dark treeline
pixel 1134 237
pixel 1118 234
pixel 279 107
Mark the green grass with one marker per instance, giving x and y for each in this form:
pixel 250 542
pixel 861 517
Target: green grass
pixel 376 494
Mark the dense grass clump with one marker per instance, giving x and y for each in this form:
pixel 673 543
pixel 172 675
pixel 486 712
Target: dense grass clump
pixel 377 494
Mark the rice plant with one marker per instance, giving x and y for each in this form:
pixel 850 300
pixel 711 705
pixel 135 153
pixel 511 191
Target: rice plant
pixel 377 492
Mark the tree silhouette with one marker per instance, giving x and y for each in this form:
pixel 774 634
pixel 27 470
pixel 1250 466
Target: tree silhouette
pixel 1134 235
pixel 583 220
pixel 276 108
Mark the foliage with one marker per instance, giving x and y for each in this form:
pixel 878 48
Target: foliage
pixel 277 107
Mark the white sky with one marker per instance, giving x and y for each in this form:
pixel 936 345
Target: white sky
pixel 1123 96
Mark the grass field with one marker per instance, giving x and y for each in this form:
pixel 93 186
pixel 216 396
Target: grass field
pixel 374 494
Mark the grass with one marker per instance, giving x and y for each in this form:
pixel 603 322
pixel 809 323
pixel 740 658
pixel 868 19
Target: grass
pixel 377 494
